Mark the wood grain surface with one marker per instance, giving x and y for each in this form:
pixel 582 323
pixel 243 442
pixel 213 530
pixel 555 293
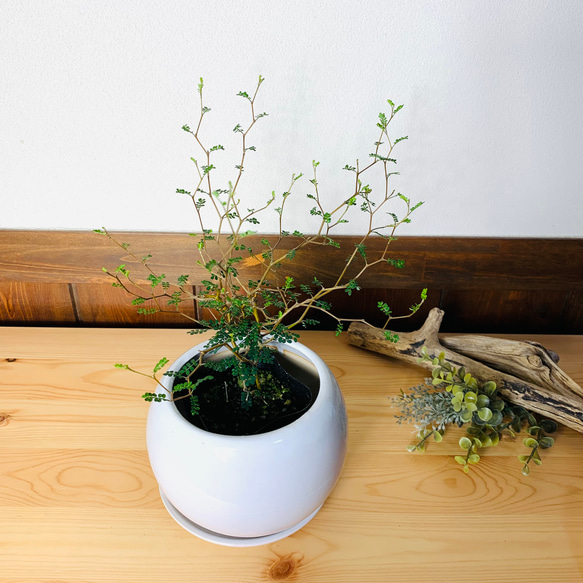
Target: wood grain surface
pixel 79 503
pixel 485 284
pixel 36 302
pixel 436 262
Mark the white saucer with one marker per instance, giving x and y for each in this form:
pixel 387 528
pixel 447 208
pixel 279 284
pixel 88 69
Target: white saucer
pixel 230 541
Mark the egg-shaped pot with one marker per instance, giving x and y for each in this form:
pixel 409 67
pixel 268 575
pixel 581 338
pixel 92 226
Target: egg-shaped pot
pixel 244 490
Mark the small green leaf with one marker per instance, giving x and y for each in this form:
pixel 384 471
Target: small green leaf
pixel 389 336
pixel 460 460
pixel 548 426
pixel 474 458
pixel 489 388
pixel 485 414
pixel 483 401
pixel 438 436
pixel 194 405
pixel 497 418
pixel 465 443
pixel 546 442
pixel 466 416
pixel 160 364
pixel 530 442
pixel 525 470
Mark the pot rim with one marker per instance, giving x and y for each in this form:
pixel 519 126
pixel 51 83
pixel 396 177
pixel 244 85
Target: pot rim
pixel 275 435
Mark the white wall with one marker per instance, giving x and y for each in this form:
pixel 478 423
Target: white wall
pixel 93 95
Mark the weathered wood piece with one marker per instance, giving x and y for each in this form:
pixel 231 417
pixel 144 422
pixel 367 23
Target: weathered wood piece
pixel 528 361
pixel 563 408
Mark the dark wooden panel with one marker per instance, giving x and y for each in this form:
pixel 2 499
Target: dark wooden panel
pixel 364 305
pixel 78 257
pixel 506 263
pixel 517 311
pixel 104 305
pixel 484 284
pixel 573 313
pixel 435 262
pixel 45 303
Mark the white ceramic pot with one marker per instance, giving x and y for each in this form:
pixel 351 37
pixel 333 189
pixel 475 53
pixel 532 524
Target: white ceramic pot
pixel 252 489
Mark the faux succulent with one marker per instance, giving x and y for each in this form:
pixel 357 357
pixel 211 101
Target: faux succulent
pixel 454 397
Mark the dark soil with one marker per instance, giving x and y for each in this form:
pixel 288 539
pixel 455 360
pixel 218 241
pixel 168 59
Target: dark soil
pixel 224 410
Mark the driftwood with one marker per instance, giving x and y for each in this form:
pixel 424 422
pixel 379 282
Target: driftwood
pixel 526 373
pixel 528 361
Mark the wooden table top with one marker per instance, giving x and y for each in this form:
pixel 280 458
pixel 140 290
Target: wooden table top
pixel 79 503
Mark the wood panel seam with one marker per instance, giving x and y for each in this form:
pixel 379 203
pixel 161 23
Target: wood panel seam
pixel 75 302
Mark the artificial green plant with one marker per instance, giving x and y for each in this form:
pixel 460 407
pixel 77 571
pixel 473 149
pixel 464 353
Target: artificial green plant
pixel 453 397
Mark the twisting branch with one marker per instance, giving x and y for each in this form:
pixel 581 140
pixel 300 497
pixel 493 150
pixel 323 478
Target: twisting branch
pixel 246 315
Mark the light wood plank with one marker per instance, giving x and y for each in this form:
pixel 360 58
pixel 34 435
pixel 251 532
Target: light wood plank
pixel 415 485
pixel 57 423
pixel 78 501
pixel 118 420
pixel 97 344
pixel 107 344
pixel 125 546
pixel 79 380
pixel 77 477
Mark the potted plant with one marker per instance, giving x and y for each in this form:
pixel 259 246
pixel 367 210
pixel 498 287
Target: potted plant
pixel 247 431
